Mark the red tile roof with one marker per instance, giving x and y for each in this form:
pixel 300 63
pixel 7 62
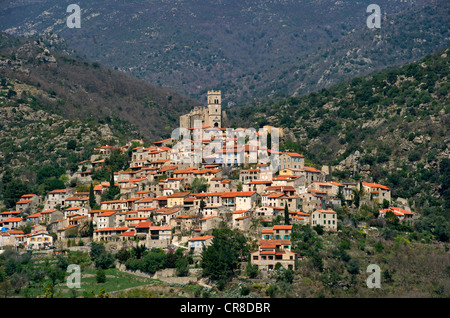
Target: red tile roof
pixel 201 238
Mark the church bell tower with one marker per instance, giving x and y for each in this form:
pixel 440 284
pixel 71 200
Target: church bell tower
pixel 215 108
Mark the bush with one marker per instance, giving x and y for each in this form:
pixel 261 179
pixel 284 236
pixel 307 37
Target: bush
pixel 104 261
pixel 319 229
pixel 182 267
pixel 353 267
pixel 379 247
pixel 100 276
pixel 245 291
pixel 272 291
pixel 252 271
pixel 71 144
pixel 286 276
pixel 414 155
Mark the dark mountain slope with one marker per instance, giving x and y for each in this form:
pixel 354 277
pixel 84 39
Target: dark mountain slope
pixel 247 49
pixel 79 89
pixel 391 127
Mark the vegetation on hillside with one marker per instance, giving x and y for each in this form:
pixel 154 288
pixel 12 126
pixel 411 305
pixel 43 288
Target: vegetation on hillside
pixel 247 49
pixel 44 74
pixel 397 120
pixel 390 127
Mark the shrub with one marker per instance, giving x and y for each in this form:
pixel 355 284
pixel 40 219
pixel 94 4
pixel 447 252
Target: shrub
pixel 100 276
pixel 414 155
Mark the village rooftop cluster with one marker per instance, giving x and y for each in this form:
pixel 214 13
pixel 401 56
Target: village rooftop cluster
pixel 158 208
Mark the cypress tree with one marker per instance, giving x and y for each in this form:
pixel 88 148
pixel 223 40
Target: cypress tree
pixel 92 201
pixel 286 215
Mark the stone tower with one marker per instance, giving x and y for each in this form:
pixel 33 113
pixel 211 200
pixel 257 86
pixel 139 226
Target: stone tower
pixel 215 108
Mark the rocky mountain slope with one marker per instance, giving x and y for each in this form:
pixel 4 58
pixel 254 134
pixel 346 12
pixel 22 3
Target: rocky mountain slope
pixel 56 107
pixel 391 127
pixel 61 82
pixel 247 49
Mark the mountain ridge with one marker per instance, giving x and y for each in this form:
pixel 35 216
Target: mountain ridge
pixel 247 49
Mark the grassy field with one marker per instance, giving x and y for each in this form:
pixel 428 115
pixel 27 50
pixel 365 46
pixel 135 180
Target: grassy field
pixel 89 287
pixel 115 281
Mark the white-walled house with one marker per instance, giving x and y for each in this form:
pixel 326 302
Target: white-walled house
pixel 39 240
pixel 196 244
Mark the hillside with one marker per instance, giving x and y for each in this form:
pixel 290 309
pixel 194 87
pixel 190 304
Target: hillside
pixel 403 38
pixel 61 82
pixel 390 127
pixel 247 49
pixel 56 107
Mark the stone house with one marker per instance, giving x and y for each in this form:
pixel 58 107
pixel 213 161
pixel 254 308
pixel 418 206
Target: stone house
pixel 291 160
pixel 28 202
pixel 272 251
pixel 57 198
pixel 377 192
pixel 326 218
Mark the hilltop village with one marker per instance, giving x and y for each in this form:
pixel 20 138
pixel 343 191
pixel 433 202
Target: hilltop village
pixel 165 200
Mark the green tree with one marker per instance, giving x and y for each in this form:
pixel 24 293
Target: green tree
pixel 391 218
pixel 286 215
pixel 199 185
pixel 71 144
pixel 202 204
pixel 49 171
pixel 12 191
pixel 113 190
pixel 104 261
pixel 100 276
pixel 444 172
pixel 222 257
pixel 181 266
pixel 97 249
pixel 357 194
pixel 251 270
pixel 117 160
pixel 341 197
pixel 92 201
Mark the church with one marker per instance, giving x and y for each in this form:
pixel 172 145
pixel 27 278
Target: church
pixel 210 115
